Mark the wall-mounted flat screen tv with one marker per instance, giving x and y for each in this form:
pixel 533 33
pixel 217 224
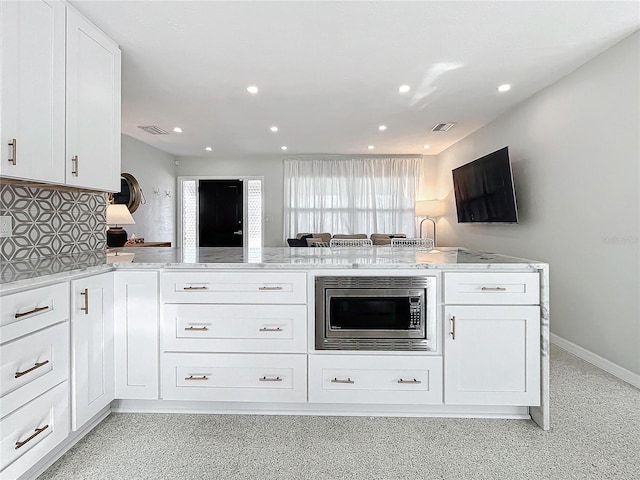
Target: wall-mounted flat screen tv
pixel 484 190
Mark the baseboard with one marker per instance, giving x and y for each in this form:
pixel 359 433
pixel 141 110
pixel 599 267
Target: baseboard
pixel 596 360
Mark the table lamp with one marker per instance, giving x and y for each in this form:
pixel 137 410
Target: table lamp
pixel 117 215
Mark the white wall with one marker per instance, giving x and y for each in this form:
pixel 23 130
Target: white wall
pixel 154 169
pixel 575 149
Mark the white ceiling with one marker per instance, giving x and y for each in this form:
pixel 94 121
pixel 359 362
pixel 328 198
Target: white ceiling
pixel 329 72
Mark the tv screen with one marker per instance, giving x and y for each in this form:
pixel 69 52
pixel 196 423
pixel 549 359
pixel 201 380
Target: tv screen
pixel 484 190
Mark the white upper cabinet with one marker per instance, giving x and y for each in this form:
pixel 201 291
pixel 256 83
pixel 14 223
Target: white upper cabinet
pixel 93 106
pixel 59 97
pixel 32 90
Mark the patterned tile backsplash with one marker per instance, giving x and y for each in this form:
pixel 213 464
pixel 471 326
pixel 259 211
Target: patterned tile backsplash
pixel 49 221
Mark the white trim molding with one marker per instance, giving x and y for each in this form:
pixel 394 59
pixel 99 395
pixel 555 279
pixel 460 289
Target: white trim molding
pixel 596 360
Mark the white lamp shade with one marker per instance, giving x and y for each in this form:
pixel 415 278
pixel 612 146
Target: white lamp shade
pixel 119 215
pixel 429 208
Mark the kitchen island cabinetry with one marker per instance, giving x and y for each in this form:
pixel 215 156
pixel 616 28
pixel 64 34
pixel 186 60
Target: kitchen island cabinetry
pixel 234 336
pixel 492 341
pixel 92 367
pixel 136 331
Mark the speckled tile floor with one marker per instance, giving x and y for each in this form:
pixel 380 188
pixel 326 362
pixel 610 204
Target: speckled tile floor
pixel 595 435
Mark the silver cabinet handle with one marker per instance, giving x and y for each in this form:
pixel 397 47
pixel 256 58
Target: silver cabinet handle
pixel 74 166
pixel 409 381
pixel 197 329
pixel 238 232
pixel 493 289
pixel 270 288
pixel 453 327
pixel 339 380
pixel 24 372
pixel 14 147
pixel 197 377
pixel 35 310
pixel 195 288
pixel 269 329
pixel 269 379
pixel 86 301
pixel 34 435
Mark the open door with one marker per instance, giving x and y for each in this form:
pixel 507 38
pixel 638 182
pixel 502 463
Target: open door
pixel 220 213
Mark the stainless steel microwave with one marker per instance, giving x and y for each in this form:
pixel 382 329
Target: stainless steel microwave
pixel 375 313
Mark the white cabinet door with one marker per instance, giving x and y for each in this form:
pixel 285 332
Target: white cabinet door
pixel 136 335
pixel 492 355
pixel 92 371
pixel 32 90
pixel 93 106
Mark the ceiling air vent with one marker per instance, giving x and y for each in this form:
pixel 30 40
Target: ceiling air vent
pixel 442 127
pixel 154 130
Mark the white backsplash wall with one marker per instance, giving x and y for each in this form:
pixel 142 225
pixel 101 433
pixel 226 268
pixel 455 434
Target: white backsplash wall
pixel 575 150
pixel 154 170
pixel 49 221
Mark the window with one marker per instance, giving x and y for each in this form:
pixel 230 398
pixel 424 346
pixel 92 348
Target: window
pixel 351 195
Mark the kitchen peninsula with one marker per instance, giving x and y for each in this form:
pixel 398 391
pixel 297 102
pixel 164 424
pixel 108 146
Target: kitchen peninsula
pixel 227 330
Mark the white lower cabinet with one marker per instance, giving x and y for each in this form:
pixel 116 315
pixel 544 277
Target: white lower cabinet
pixel 136 335
pixel 375 379
pixel 92 370
pixel 234 377
pixel 492 355
pixel 33 430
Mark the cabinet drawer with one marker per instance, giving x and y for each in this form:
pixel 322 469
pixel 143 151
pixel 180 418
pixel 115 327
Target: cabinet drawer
pixel 35 429
pixel 375 379
pixel 492 288
pixel 235 328
pixel 228 287
pixel 32 365
pixel 238 378
pixel 25 312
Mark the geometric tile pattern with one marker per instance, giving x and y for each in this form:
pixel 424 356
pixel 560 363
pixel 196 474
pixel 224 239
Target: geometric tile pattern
pixel 36 267
pixel 49 221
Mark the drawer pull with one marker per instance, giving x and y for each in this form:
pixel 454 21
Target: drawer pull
pixel 35 310
pixel 270 288
pixel 195 288
pixel 270 329
pixel 196 329
pixel 34 435
pixel 409 381
pixel 453 327
pixel 37 365
pixel 14 146
pixel 197 377
pixel 86 301
pixel 493 289
pixel 339 380
pixel 269 379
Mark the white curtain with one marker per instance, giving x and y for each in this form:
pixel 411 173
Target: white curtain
pixel 361 195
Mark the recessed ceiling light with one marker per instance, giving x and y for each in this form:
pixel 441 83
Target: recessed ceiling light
pixel 208 149
pixel 252 89
pixel 404 88
pixel 504 87
pixel 382 128
pixel 177 130
pixel 425 146
pixel 284 147
pixel 371 147
pixel 274 129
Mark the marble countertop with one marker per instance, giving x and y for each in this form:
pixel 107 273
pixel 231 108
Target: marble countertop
pixel 25 273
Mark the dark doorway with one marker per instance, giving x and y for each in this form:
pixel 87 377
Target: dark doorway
pixel 220 213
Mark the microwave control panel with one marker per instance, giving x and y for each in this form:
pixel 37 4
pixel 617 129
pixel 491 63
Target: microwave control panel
pixel 415 312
